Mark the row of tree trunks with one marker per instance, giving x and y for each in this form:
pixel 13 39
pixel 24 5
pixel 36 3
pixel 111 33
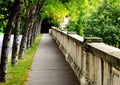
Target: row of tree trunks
pixel 16 35
pixel 6 40
pixel 31 30
pixel 34 30
pixel 28 24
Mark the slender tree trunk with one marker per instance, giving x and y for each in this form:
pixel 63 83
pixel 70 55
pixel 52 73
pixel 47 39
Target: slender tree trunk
pixel 32 35
pixel 28 39
pixel 39 29
pixel 34 25
pixel 119 45
pixel 16 35
pixel 36 30
pixel 25 33
pixel 6 40
pixel 27 22
pixel 40 21
pixel 32 29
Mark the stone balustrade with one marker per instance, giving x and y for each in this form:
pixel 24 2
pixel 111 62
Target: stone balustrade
pixel 93 62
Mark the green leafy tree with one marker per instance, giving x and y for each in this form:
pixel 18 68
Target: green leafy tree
pixel 79 10
pixel 105 23
pixel 54 10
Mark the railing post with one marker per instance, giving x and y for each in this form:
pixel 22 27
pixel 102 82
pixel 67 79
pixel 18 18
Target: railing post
pixel 71 33
pixel 92 39
pixel 88 61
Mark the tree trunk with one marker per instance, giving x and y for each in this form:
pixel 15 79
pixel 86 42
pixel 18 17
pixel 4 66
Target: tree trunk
pixel 33 29
pixel 119 45
pixel 36 30
pixel 6 40
pixel 25 33
pixel 28 39
pixel 27 18
pixel 38 13
pixel 39 29
pixel 32 34
pixel 16 35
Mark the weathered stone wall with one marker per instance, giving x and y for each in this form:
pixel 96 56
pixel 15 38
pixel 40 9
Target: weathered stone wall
pixel 93 62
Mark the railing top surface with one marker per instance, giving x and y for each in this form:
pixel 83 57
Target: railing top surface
pixel 77 37
pixel 106 49
pixel 70 34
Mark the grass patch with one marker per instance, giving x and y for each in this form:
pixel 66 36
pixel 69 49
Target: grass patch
pixel 18 74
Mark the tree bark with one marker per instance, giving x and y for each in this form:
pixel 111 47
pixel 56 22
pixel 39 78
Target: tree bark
pixel 28 39
pixel 6 40
pixel 31 40
pixel 16 35
pixel 32 34
pixel 36 30
pixel 119 45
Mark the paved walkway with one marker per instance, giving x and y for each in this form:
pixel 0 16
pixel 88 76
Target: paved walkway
pixel 49 66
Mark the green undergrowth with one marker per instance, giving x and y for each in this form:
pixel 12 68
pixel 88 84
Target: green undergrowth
pixel 17 75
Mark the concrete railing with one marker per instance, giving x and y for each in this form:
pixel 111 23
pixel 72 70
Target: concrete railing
pixel 93 62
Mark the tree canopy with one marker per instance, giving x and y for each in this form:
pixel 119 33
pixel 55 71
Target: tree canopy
pixel 55 10
pixel 105 23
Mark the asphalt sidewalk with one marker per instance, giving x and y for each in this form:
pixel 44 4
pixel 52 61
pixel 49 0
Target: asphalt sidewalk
pixel 49 66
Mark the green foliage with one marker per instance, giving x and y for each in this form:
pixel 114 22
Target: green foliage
pixel 78 11
pixel 31 1
pixel 95 18
pixel 75 26
pixel 4 13
pixel 76 15
pixel 54 10
pixel 64 1
pixel 105 23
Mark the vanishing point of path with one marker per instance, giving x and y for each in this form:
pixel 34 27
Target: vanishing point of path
pixel 49 66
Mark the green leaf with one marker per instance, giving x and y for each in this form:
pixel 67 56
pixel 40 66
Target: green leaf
pixel 31 1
